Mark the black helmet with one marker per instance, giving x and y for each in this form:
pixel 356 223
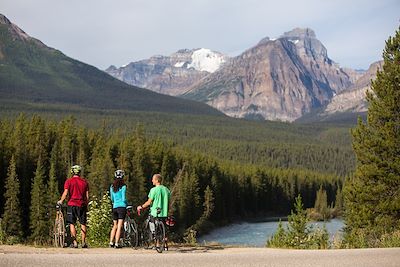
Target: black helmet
pixel 119 174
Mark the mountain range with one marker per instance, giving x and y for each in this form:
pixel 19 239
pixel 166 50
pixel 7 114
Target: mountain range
pixel 277 79
pixel 33 74
pixel 284 79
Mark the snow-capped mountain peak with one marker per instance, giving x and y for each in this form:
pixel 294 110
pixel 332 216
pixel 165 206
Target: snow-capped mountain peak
pixel 206 60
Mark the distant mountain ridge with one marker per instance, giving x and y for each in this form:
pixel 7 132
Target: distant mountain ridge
pixel 353 99
pixel 31 72
pixel 277 79
pixel 172 74
pixel 280 79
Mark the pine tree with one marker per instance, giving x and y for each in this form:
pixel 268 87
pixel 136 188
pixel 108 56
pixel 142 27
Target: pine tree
pixel 52 190
pixel 101 169
pixel 83 150
pixel 138 186
pixel 38 218
pixel 372 199
pixel 168 168
pixel 12 220
pixel 24 167
pixel 298 230
pixel 321 204
pixel 208 202
pixel 338 209
pixel 5 133
pixel 67 134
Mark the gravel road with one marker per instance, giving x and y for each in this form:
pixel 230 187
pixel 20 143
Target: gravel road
pixel 202 256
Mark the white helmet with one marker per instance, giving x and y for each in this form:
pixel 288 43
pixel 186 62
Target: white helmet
pixel 119 174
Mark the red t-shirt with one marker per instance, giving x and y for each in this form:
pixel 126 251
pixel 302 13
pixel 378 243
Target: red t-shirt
pixel 77 188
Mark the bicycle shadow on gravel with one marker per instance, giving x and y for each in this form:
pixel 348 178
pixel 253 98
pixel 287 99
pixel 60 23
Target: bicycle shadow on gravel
pixel 198 249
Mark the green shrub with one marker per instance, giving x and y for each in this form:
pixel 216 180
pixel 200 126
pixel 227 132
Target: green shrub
pixel 297 234
pixel 391 240
pixel 190 237
pixel 279 239
pixel 8 239
pixel 2 234
pixel 99 221
pixel 362 239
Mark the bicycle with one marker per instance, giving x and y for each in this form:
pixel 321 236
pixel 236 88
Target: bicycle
pixel 155 231
pixel 59 228
pixel 131 235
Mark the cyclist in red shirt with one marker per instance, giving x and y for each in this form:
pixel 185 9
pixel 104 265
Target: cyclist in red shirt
pixel 78 190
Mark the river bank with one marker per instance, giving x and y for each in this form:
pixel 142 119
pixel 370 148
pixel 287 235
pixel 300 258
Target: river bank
pixel 255 234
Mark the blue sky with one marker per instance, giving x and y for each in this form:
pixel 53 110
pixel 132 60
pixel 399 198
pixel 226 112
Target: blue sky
pixel 104 32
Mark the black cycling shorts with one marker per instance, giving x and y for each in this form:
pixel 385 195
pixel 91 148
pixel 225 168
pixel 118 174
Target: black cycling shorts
pixel 118 213
pixel 74 212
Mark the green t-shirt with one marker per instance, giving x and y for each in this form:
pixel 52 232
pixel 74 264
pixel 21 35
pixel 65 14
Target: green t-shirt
pixel 160 196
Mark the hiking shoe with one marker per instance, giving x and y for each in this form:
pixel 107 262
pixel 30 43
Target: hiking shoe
pixel 111 245
pixel 84 245
pixel 118 246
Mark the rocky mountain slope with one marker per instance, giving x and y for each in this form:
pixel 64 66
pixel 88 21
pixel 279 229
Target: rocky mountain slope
pixel 172 74
pixel 353 99
pixel 278 79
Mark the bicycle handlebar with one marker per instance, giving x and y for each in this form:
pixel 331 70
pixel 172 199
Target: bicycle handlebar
pixel 60 206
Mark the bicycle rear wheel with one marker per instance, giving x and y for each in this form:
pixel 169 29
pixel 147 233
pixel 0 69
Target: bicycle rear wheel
pixel 160 236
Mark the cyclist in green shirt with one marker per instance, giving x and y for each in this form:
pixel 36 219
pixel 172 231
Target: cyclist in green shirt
pixel 159 197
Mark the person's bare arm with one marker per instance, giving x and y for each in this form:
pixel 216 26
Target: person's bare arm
pixel 64 195
pixel 145 205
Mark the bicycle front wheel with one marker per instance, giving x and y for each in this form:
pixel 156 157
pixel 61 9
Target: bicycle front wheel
pixel 131 237
pixel 160 236
pixel 59 230
pixel 146 237
pixel 134 234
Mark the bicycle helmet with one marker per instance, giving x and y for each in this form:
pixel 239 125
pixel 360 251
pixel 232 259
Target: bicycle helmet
pixel 119 174
pixel 76 169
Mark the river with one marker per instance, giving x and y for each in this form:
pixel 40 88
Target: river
pixel 256 234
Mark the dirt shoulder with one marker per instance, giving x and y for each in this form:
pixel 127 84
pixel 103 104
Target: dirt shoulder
pixel 24 249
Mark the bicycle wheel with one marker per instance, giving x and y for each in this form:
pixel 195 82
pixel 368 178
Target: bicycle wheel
pixel 135 234
pixel 146 237
pixel 131 237
pixel 59 230
pixel 160 236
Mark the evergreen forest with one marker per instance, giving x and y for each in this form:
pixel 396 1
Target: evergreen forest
pixel 228 169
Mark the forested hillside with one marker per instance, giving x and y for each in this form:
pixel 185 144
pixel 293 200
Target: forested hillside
pixel 36 154
pixel 325 148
